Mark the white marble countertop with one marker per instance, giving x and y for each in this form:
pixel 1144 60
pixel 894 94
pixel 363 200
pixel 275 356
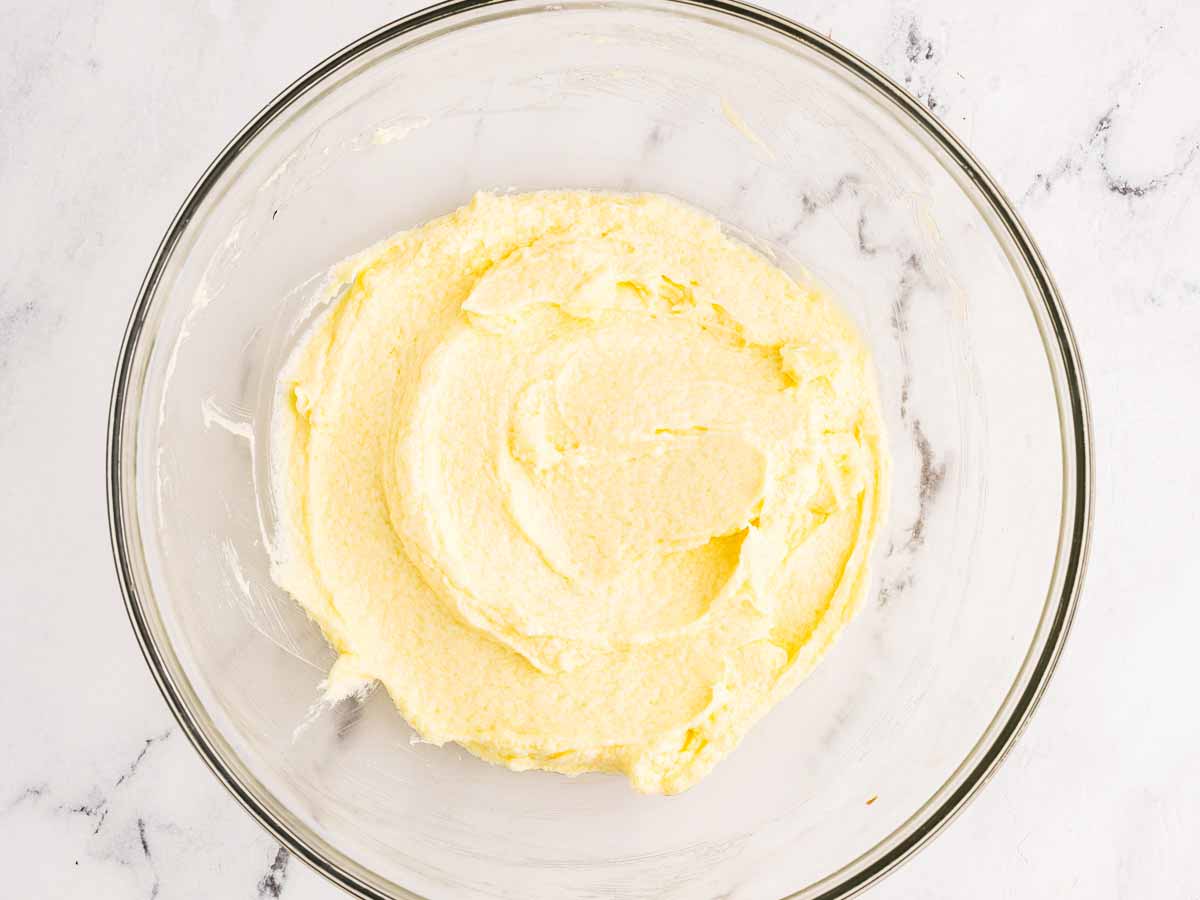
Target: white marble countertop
pixel 1087 115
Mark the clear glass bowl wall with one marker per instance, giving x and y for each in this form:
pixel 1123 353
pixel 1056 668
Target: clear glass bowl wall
pixel 819 163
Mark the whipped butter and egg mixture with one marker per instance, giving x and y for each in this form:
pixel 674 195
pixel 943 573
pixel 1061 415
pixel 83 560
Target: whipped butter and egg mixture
pixel 586 484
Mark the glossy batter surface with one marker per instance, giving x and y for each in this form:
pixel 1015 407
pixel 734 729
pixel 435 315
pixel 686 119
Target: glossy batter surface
pixel 586 484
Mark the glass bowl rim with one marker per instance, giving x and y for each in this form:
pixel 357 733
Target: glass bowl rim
pixel 1075 525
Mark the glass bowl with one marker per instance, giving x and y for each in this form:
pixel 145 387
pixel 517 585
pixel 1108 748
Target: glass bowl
pixel 822 163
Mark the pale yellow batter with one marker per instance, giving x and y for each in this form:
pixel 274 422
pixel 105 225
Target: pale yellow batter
pixel 587 485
